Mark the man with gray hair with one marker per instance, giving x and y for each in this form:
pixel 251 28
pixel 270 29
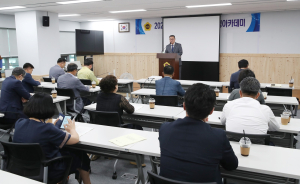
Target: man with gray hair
pixel 246 113
pixel 13 95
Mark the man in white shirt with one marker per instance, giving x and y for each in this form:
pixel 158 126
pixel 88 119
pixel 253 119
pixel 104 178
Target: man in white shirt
pixel 246 113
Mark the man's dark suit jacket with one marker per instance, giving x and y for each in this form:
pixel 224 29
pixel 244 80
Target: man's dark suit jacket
pixel 12 92
pixel 192 151
pixel 234 83
pixel 28 83
pixel 177 49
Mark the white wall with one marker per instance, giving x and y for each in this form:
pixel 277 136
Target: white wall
pixel 279 33
pixel 115 42
pixel 68 25
pixel 7 21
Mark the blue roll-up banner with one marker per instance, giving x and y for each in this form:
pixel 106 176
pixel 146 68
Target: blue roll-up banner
pixel 255 23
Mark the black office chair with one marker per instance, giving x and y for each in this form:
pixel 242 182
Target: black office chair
pixel 165 100
pixel 156 179
pixel 28 160
pixel 71 102
pixel 47 79
pixel 107 119
pixel 279 92
pixel 255 138
pixel 86 82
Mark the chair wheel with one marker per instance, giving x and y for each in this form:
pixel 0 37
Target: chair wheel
pixel 114 175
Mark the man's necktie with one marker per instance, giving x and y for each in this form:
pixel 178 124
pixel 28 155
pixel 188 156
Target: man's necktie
pixel 172 48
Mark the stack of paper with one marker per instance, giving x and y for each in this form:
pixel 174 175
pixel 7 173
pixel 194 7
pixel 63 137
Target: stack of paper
pixel 127 139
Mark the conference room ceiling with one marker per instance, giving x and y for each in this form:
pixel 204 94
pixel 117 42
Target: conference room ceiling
pixel 155 8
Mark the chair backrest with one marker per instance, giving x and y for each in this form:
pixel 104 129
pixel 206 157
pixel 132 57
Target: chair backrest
pixel 105 118
pixel 8 73
pixel 255 138
pixel 47 79
pixel 279 92
pixel 86 82
pixel 24 159
pixel 156 179
pixel 165 100
pixel 69 93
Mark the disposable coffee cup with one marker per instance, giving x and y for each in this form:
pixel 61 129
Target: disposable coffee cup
pixel 285 119
pixel 245 144
pixel 93 84
pixel 152 103
pixel 265 94
pixel 291 85
pixel 217 91
pixel 53 80
pixel 289 113
pixel 54 93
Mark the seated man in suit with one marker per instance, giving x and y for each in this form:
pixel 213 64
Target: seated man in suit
pixel 234 83
pixel 86 72
pixel 246 113
pixel 235 94
pixel 191 150
pixel 13 95
pixel 58 69
pixel 28 82
pixel 167 86
pixel 69 81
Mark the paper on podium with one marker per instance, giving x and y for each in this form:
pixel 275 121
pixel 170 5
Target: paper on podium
pixel 127 139
pixel 81 130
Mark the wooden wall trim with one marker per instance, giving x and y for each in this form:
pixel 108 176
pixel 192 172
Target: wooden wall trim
pixel 260 55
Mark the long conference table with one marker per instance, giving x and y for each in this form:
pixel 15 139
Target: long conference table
pixel 270 160
pixel 153 118
pixel 9 178
pixel 281 100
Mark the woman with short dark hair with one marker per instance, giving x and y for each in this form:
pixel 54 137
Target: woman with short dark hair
pixel 35 130
pixel 109 101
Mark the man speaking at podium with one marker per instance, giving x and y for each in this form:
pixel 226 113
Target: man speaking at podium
pixel 175 47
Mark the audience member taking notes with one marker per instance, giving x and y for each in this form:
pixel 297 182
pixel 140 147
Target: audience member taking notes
pixel 58 69
pixel 28 82
pixel 13 95
pixel 167 86
pixel 52 139
pixel 246 113
pixel 87 73
pixel 235 94
pixel 191 150
pixel 69 81
pixel 234 84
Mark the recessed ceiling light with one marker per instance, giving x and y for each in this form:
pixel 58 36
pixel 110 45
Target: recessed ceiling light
pixel 12 7
pixel 77 1
pixel 209 5
pixel 100 20
pixel 127 11
pixel 68 15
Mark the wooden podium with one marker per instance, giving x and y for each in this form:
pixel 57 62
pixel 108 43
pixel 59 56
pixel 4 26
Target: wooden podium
pixel 169 59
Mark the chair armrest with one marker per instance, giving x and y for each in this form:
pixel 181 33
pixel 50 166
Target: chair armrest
pixel 51 161
pixel 124 125
pixel 2 154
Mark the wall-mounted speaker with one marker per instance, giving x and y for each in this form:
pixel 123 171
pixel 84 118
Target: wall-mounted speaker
pixel 46 21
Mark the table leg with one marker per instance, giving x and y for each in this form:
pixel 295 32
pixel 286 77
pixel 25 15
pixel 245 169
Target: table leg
pixel 65 107
pixel 292 140
pixel 140 169
pixel 58 107
pixel 129 89
pixel 296 110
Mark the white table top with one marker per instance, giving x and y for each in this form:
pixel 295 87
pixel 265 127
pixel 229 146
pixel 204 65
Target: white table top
pixel 270 99
pixel 58 98
pixel 183 82
pixel 2 79
pixel 49 85
pixel 9 178
pixel 122 81
pixel 159 111
pixel 92 107
pixel 292 127
pixel 264 85
pixel 145 92
pixel 271 160
pixel 1 115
